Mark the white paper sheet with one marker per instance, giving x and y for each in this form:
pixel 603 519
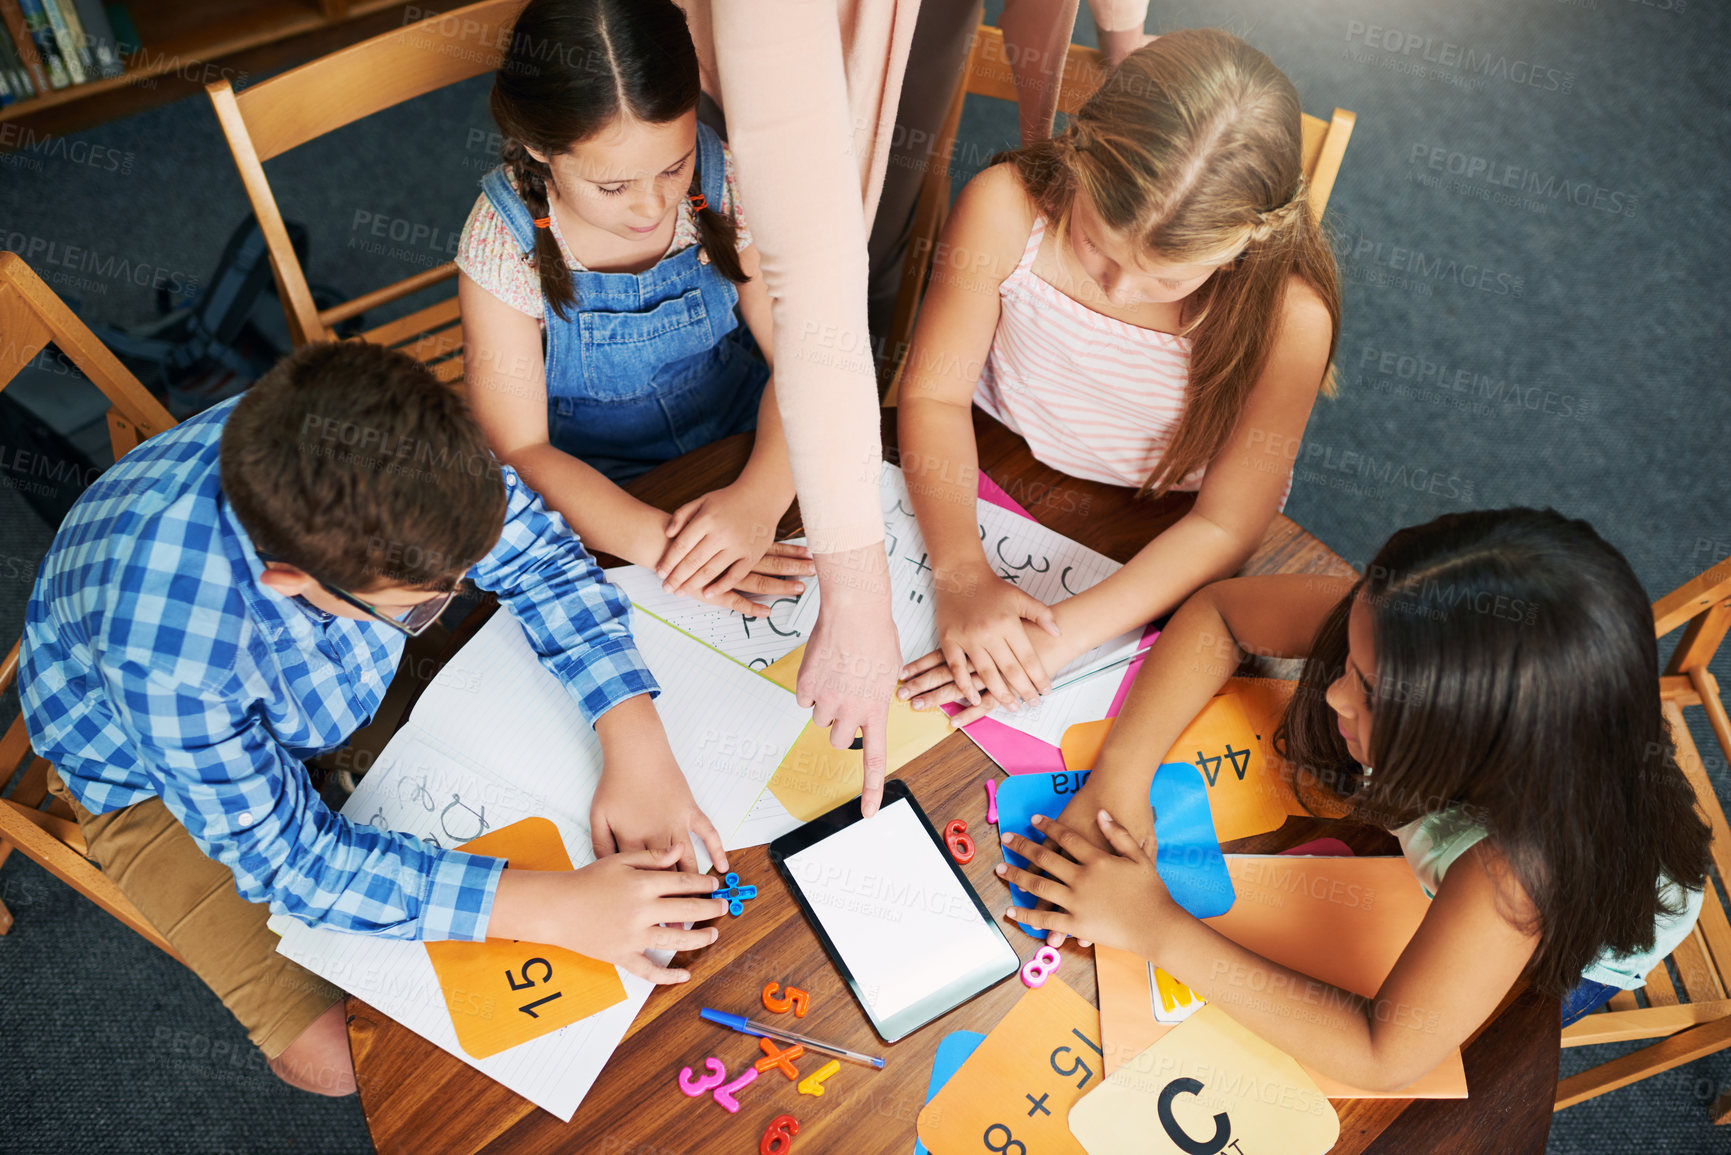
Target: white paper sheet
pixel 496 739
pixel 1047 565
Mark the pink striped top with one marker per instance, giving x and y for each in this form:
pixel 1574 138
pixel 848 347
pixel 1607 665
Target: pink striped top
pixel 1094 396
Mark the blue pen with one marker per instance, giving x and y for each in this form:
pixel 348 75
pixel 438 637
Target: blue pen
pixel 745 1026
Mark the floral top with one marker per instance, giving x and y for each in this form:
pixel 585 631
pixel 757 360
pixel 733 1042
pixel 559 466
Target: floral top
pixel 489 255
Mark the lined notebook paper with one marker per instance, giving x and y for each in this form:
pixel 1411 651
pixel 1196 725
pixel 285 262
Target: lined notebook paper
pixel 496 739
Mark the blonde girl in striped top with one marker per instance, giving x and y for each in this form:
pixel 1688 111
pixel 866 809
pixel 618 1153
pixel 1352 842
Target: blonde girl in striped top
pixel 1148 301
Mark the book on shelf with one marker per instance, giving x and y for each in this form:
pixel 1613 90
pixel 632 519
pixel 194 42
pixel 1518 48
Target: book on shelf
pixel 99 38
pixel 63 37
pixel 12 17
pixel 126 40
pixel 18 83
pixel 42 39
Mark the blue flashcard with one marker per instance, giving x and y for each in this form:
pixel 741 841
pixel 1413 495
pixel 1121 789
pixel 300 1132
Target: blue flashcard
pixel 1189 858
pixel 953 1051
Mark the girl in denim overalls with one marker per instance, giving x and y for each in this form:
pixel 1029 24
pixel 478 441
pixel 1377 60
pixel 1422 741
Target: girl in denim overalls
pixel 587 374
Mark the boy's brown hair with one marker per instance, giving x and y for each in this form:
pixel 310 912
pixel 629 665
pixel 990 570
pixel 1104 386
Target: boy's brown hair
pixel 354 463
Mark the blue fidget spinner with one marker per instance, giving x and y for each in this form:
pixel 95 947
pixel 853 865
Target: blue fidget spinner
pixel 735 894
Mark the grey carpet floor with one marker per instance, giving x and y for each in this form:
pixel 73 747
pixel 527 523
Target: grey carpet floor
pixel 1577 320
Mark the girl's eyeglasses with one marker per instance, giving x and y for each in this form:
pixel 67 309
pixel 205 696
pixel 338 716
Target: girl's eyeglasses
pixel 412 621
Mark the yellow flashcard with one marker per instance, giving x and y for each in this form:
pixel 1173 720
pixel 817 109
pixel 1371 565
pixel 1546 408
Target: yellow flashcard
pixel 1015 1092
pixel 1209 1086
pixel 815 777
pixel 502 992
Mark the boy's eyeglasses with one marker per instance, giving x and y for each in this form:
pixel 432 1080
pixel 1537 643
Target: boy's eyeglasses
pixel 412 621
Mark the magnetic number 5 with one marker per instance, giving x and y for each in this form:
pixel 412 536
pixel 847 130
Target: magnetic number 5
pixel 1009 1143
pixel 1076 1064
pixel 529 1008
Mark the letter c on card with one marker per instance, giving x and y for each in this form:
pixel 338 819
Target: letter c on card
pixel 1181 1138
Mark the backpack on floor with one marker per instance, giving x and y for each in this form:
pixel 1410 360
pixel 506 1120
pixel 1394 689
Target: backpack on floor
pixel 211 345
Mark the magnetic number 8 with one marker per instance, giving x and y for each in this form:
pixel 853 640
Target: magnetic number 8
pixel 956 838
pixel 1038 969
pixel 1009 1143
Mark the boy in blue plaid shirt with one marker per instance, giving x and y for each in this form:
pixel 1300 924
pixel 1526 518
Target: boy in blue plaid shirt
pixel 232 598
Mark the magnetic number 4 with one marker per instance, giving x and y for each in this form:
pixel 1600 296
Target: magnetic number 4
pixel 529 1008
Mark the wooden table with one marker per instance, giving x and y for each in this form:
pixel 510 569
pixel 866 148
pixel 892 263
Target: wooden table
pixel 419 1100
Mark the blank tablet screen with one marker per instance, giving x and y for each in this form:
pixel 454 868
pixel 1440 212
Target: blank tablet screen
pixel 903 926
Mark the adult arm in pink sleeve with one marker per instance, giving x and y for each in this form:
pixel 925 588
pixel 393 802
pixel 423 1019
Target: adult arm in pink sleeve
pixel 798 155
pixel 1037 37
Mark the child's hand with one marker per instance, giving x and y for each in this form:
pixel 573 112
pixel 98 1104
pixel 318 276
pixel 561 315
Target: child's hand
pixel 1115 793
pixel 721 543
pixel 1106 896
pixel 980 632
pixel 645 803
pixel 613 909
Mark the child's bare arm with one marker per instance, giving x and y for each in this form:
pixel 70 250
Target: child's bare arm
pixel 979 615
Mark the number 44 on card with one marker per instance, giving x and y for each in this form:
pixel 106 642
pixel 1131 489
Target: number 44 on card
pixel 1013 1095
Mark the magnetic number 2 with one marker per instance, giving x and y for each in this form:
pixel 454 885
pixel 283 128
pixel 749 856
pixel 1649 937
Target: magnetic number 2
pixel 529 1008
pixel 1009 1143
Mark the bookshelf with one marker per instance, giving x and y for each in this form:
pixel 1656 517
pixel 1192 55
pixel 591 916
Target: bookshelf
pixel 187 44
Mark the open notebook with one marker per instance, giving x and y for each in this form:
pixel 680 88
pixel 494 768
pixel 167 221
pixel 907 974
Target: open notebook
pixel 496 739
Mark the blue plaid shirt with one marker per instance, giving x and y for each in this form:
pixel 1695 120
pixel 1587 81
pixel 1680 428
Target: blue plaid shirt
pixel 156 665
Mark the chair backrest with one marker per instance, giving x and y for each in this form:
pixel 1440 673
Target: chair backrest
pixel 31 316
pixel 1696 1019
pixel 989 74
pixel 273 116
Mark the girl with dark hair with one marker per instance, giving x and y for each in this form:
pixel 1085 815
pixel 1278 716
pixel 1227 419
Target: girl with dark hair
pixel 1149 300
pixel 604 273
pixel 1489 691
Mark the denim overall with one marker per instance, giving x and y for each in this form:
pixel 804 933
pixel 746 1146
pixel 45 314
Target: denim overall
pixel 649 365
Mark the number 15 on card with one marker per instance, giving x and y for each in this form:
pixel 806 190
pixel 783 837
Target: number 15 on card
pixel 1013 1095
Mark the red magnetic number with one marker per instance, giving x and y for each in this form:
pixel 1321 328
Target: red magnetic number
pixel 778 1137
pixel 956 838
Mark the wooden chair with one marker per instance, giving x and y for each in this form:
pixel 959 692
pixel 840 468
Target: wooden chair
pixel 989 74
pixel 31 316
pixel 1695 1020
pixel 275 115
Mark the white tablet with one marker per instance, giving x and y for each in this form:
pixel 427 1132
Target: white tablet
pixel 895 913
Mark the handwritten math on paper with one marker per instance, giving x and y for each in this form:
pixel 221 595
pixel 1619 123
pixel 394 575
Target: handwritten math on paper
pixel 1045 564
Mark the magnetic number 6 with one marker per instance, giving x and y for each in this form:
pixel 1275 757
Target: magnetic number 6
pixel 956 838
pixel 1038 969
pixel 778 1137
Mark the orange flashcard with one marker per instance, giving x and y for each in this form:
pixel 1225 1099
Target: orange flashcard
pixel 1231 743
pixel 1209 1085
pixel 1015 1092
pixel 502 992
pixel 1343 921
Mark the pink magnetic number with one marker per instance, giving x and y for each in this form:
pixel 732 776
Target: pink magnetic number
pixel 1038 969
pixel 992 801
pixel 724 1095
pixel 695 1087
